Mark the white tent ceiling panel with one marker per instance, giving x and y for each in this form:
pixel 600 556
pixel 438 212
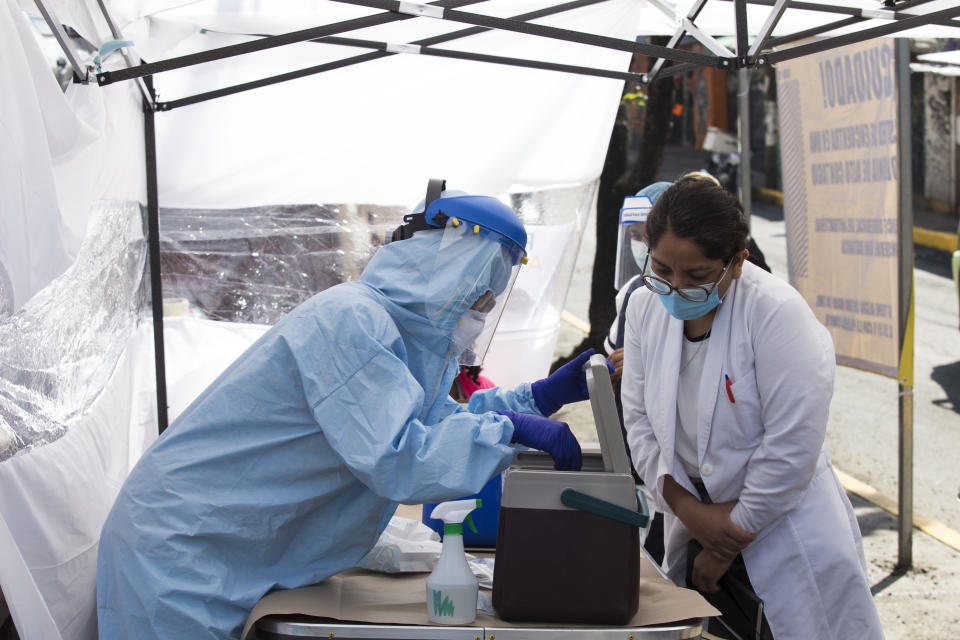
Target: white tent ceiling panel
pixel 169 33
pixel 717 18
pixel 374 132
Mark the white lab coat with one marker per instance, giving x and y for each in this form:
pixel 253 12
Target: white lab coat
pixel 765 449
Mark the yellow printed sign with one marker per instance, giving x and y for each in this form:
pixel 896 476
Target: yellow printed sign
pixel 838 123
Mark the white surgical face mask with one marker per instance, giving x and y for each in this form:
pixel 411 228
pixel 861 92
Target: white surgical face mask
pixel 639 249
pixel 469 329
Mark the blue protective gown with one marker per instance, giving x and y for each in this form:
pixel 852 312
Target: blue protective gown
pixel 287 468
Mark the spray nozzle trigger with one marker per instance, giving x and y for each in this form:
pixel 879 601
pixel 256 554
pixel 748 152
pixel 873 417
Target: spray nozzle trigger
pixel 454 513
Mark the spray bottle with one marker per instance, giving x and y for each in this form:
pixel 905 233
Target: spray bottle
pixel 452 587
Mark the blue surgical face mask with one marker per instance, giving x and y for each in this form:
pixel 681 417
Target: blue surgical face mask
pixel 681 307
pixel 684 309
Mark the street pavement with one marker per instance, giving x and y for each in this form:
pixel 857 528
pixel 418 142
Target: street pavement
pixel 862 434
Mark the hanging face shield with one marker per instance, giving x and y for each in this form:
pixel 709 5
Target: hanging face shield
pixel 470 273
pixel 631 239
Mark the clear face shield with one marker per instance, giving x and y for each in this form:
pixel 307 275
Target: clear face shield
pixel 469 275
pixel 496 263
pixel 631 240
pixel 485 325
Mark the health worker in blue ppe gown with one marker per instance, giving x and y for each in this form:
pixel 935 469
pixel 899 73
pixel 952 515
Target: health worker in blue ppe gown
pixel 286 469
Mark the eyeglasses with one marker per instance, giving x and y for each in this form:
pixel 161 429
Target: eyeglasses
pixel 698 293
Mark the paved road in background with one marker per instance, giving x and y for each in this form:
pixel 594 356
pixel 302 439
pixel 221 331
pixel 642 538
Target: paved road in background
pixel 863 430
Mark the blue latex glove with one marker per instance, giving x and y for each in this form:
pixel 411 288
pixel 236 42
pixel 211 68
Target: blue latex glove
pixel 547 435
pixel 565 385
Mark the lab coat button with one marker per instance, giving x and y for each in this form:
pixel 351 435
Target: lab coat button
pixel 706 469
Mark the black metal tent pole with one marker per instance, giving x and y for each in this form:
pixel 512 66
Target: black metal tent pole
pixel 673 70
pixel 385 49
pixel 220 53
pixel 855 16
pixel 471 31
pixel 124 51
pixel 395 10
pixel 153 244
pixel 56 28
pixel 556 33
pixel 860 36
pixel 482 57
pixel 383 52
pixel 419 46
pixel 897 13
pixel 905 306
pixel 743 104
pixel 768 26
pixel 445 9
pixel 740 26
pixel 676 38
pixel 393 13
pixel 813 31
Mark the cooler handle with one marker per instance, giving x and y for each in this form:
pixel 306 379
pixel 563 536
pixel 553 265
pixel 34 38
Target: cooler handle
pixel 579 500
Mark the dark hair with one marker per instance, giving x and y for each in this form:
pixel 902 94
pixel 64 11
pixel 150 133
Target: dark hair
pixel 705 213
pixel 473 372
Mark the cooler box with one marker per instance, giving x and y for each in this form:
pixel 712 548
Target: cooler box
pixel 568 545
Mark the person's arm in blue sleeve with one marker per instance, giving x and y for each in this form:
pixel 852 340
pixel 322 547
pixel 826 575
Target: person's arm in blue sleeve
pixel 519 400
pixel 543 397
pixel 371 421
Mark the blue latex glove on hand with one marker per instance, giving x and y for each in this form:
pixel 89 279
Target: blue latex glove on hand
pixel 565 385
pixel 547 435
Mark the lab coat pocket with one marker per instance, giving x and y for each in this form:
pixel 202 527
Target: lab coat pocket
pixel 742 400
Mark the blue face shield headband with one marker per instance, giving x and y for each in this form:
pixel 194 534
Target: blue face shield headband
pixel 687 303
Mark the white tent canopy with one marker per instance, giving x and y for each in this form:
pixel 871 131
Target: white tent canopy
pixel 352 148
pixel 77 395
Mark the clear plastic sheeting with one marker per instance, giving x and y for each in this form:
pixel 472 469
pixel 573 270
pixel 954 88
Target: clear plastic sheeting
pixel 59 350
pixel 255 264
pixel 522 349
pixel 251 265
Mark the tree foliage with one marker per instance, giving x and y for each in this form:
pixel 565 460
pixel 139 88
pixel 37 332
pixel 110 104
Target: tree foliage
pixel 617 180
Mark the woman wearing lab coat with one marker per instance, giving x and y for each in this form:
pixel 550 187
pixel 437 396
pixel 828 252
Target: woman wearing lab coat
pixel 726 390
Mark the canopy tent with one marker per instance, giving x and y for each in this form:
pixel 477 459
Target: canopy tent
pixel 257 188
